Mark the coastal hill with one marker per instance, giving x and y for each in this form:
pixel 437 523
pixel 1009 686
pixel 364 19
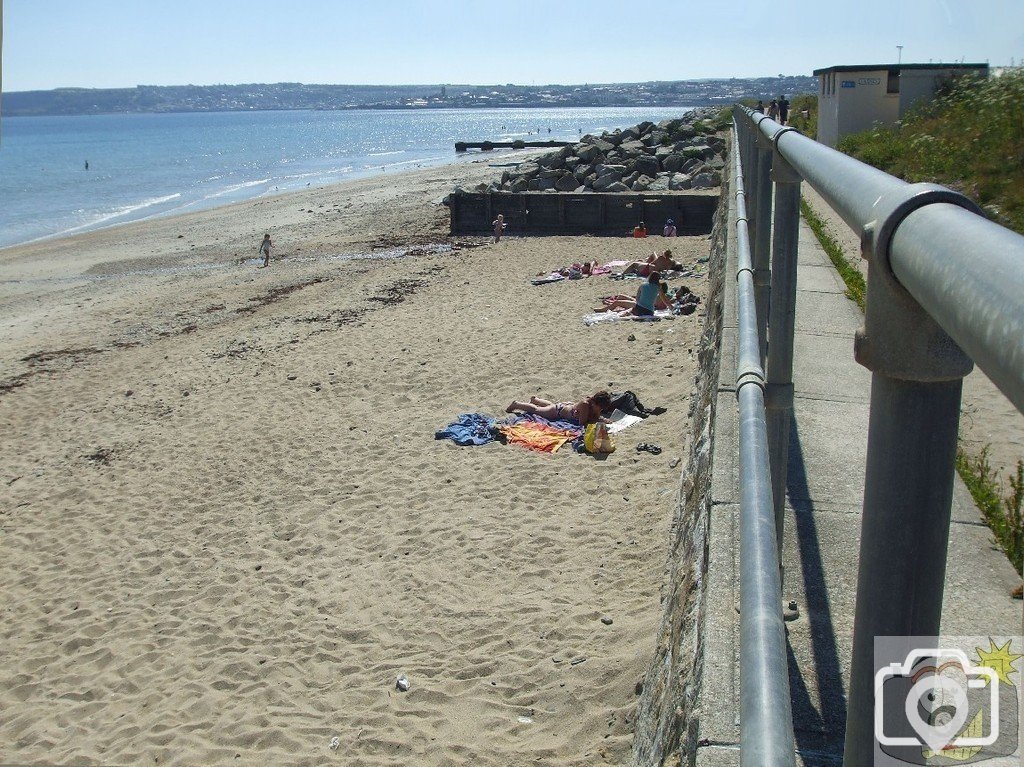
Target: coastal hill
pixel 230 98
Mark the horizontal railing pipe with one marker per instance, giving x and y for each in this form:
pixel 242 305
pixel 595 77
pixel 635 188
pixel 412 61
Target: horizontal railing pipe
pixel 766 716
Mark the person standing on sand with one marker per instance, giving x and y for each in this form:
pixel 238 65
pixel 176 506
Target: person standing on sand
pixel 499 226
pixel 265 247
pixel 670 229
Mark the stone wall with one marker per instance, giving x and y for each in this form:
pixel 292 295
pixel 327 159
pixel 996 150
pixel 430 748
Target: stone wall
pixel 665 731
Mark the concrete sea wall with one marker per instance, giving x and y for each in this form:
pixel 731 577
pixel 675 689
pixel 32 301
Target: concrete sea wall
pixel 665 730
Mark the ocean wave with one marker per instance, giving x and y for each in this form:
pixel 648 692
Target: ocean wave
pixel 235 188
pixel 384 154
pixel 407 162
pixel 119 212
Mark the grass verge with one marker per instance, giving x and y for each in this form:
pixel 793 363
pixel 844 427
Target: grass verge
pixel 856 290
pixel 1002 514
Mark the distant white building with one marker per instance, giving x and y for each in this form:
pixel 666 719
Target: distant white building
pixel 852 98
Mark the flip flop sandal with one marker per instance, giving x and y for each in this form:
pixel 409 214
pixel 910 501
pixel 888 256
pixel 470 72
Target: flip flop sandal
pixel 649 448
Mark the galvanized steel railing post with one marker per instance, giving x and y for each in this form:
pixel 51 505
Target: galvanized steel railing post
pixel 781 325
pixel 917 378
pixel 762 235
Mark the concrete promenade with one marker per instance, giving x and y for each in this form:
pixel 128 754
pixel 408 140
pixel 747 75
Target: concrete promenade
pixel 822 533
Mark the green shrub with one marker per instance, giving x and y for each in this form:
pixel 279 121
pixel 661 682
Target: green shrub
pixel 807 125
pixel 970 138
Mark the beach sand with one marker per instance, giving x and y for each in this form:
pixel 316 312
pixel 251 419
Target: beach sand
pixel 226 527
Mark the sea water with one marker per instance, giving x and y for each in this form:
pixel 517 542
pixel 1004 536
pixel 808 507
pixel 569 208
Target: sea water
pixel 144 165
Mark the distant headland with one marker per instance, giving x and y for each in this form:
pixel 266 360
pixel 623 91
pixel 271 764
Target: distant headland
pixel 286 96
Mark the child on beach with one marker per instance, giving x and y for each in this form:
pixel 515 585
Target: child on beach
pixel 499 226
pixel 265 247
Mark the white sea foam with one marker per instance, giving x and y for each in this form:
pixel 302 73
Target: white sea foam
pixel 125 210
pixel 235 188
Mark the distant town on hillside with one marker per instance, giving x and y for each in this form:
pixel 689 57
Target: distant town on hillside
pixel 284 96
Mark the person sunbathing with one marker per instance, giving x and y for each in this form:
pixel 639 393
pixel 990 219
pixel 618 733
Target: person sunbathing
pixel 621 302
pixel 660 262
pixel 587 410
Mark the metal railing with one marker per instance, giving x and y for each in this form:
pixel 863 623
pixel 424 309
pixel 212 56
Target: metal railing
pixel 945 286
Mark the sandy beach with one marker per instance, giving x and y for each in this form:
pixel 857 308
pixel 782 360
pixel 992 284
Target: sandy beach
pixel 226 527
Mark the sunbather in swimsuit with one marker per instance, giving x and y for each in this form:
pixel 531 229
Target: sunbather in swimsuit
pixel 587 410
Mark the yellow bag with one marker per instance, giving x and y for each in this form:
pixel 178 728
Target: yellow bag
pixel 596 439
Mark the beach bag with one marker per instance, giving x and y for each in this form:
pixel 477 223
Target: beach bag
pixel 596 439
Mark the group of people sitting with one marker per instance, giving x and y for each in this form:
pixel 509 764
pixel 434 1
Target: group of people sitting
pixel 653 294
pixel 656 262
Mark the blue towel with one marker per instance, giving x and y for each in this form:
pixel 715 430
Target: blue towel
pixel 469 429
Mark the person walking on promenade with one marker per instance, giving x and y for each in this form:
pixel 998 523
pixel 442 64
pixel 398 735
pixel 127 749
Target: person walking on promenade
pixel 773 110
pixel 265 247
pixel 783 109
pixel 759 107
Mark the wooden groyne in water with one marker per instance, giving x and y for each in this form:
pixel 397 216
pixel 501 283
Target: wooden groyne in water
pixel 486 146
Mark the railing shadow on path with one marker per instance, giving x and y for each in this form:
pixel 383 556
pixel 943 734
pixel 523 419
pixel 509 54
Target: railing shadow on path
pixel 817 730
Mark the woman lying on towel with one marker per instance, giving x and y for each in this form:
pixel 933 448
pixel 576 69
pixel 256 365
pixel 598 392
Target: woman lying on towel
pixel 620 303
pixel 662 262
pixel 587 410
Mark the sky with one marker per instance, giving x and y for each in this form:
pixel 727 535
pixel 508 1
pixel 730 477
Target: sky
pixel 123 43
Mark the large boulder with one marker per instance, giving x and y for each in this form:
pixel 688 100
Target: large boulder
pixel 716 162
pixel 673 162
pixel 618 186
pixel 691 165
pixel 551 161
pixel 540 184
pixel 648 165
pixel 644 127
pixel 660 184
pixel 550 173
pixel 629 134
pixel 662 152
pixel 615 137
pixel 680 181
pixel 628 180
pixel 707 180
pixel 519 185
pixel 656 138
pixel 567 183
pixel 683 132
pixel 589 153
pixel 701 151
pixel 527 169
pixel 601 183
pixel 642 184
pixel 571 163
pixel 633 147
pixel 582 171
pixel 602 146
pixel 605 168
